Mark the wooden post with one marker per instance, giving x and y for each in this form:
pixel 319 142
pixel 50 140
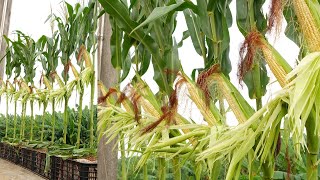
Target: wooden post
pixel 5 14
pixel 107 154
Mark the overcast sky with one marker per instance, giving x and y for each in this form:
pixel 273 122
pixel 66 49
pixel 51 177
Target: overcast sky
pixel 29 17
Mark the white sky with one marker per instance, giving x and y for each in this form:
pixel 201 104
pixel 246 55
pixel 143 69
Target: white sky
pixel 29 16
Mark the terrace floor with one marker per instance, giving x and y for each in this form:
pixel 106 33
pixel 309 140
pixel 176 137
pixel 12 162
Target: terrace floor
pixel 10 171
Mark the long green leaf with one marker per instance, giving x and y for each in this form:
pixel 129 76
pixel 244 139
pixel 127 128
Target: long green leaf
pixel 159 12
pixel 120 13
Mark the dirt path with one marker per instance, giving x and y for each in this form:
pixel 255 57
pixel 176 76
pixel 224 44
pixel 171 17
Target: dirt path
pixel 10 171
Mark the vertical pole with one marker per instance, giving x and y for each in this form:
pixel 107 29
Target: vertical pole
pixel 107 154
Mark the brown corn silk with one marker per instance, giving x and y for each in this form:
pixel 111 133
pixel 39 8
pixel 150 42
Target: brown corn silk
pixel 254 42
pixel 169 111
pixel 275 17
pixel 202 81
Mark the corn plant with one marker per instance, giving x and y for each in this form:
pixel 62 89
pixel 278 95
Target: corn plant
pixel 75 29
pixel 26 52
pixel 88 43
pixel 48 46
pixel 68 30
pixel 13 63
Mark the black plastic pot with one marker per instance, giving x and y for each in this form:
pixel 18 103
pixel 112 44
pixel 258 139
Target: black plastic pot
pixel 59 169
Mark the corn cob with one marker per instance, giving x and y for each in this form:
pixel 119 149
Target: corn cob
pixel 225 91
pixel 307 24
pixel 60 82
pixel 255 41
pixel 74 71
pixel 10 85
pixel 127 105
pixel 147 106
pixel 84 53
pixel 277 64
pixel 102 88
pixel 25 86
pixel 47 82
pixel 276 69
pixel 210 115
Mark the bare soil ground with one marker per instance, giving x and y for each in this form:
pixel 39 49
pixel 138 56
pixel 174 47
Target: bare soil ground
pixel 10 171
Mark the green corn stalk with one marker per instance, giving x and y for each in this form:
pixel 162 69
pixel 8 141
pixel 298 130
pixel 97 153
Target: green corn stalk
pixel 15 98
pixel 313 148
pixel 65 118
pixel 68 32
pixel 80 87
pixel 123 158
pixel 43 118
pixel 31 120
pixel 91 78
pixel 176 168
pixel 45 103
pixel 23 120
pixel 7 114
pixel 145 172
pixel 53 120
pixel 92 89
pixel 162 168
pixel 62 85
pixel 8 89
pixel 15 120
pixel 79 115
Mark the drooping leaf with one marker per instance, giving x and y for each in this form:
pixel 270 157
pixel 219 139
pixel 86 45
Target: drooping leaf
pixel 120 13
pixel 173 65
pixel 193 25
pixel 243 16
pixel 204 18
pixel 115 46
pixel 145 57
pixel 159 12
pixel 185 35
pixel 125 57
pixel 251 84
